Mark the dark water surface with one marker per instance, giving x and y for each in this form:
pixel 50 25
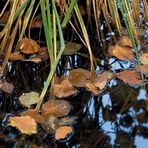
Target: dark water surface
pixel 116 118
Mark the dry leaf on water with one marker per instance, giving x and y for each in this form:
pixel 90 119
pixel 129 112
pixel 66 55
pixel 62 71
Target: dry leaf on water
pixel 102 79
pixel 57 108
pixel 122 53
pixel 63 132
pixel 63 89
pixel 130 77
pixel 16 56
pixel 142 68
pixel 25 124
pixel 125 41
pixel 91 87
pixel 36 23
pixel 7 87
pixel 78 77
pixel 28 99
pixel 144 58
pixel 28 46
pixel 34 59
pixel 33 113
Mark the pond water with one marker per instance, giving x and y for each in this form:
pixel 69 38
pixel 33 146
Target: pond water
pixel 116 118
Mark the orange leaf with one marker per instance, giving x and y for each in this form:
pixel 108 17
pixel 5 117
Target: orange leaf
pixel 130 77
pixel 78 77
pixel 102 79
pixel 144 58
pixel 25 124
pixel 16 56
pixel 91 87
pixel 28 46
pixel 63 89
pixel 142 68
pixel 62 132
pixel 122 53
pixel 125 41
pixel 58 108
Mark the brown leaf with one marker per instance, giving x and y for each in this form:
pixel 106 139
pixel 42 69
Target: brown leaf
pixel 122 53
pixel 33 113
pixel 16 56
pixel 63 89
pixel 144 58
pixel 78 77
pixel 63 132
pixel 125 41
pixel 28 46
pixel 43 53
pixel 102 79
pixel 58 108
pixel 130 77
pixel 25 124
pixel 36 23
pixel 91 87
pixel 34 59
pixel 5 17
pixel 7 87
pixel 142 68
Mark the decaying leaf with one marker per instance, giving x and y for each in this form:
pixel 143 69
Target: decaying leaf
pixel 63 132
pixel 91 87
pixel 34 59
pixel 122 53
pixel 36 23
pixel 28 46
pixel 25 124
pixel 63 89
pixel 57 108
pixel 66 121
pixel 43 53
pixel 102 79
pixel 28 99
pixel 125 41
pixel 7 87
pixel 144 58
pixel 16 56
pixel 5 17
pixel 130 77
pixel 33 113
pixel 142 68
pixel 78 77
pixel 70 47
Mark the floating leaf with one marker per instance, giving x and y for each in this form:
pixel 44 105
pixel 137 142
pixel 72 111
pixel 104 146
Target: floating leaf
pixel 25 124
pixel 91 87
pixel 50 124
pixel 16 56
pixel 43 53
pixel 63 89
pixel 125 41
pixel 66 121
pixel 130 77
pixel 36 23
pixel 33 113
pixel 28 46
pixel 34 59
pixel 70 47
pixel 142 68
pixel 102 79
pixel 58 108
pixel 63 132
pixel 122 53
pixel 5 17
pixel 144 58
pixel 7 87
pixel 28 99
pixel 78 77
